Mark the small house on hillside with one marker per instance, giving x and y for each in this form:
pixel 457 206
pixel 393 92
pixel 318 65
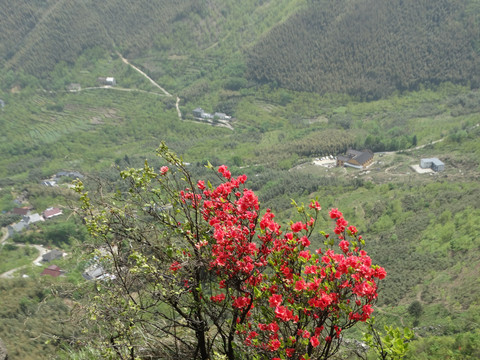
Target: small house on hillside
pixel 52 255
pixel 52 270
pixel 22 211
pixel 432 163
pixel 71 174
pixel 198 112
pixel 17 227
pixel 356 159
pixel 110 81
pixel 94 273
pixel 50 183
pixel 33 218
pixel 74 87
pixel 51 212
pixel 221 116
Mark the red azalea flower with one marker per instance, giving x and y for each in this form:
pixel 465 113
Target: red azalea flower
pixel 275 300
pixel 304 241
pixel 297 227
pixel 175 266
pixel 163 170
pixel 334 213
pixel 314 341
pixel 290 352
pixel 315 205
pixel 274 344
pixel 352 229
pixel 300 285
pixel 201 184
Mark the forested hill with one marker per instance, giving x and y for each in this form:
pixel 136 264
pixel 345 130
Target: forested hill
pixel 35 35
pixel 362 47
pixel 372 47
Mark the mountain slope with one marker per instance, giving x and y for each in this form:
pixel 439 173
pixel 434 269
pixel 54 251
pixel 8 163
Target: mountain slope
pixel 36 35
pixel 371 47
pixel 64 28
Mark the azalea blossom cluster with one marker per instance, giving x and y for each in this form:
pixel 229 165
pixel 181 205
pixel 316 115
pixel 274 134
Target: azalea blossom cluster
pixel 287 300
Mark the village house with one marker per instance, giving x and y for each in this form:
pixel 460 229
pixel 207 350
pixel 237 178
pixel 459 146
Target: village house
pixel 109 81
pixel 16 228
pixel 74 87
pixel 95 272
pixel 51 212
pixel 199 113
pixel 24 223
pixel 51 183
pixel 356 159
pixel 22 211
pixel 33 218
pixel 432 163
pixel 221 116
pixel 71 174
pixel 52 255
pixel 52 270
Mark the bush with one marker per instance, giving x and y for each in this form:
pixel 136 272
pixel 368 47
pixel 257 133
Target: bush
pixel 198 269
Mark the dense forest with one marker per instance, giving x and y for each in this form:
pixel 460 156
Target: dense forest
pixel 366 48
pixel 370 48
pixel 37 35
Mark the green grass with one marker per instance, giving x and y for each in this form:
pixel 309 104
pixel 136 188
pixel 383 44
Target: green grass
pixel 14 256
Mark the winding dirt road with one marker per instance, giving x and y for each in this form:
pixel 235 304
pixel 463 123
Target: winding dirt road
pixel 37 261
pixel 145 75
pixel 153 83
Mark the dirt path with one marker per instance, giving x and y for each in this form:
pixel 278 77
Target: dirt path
pixel 379 309
pixel 145 75
pixel 178 108
pixel 117 89
pixel 153 83
pixel 37 261
pixel 4 234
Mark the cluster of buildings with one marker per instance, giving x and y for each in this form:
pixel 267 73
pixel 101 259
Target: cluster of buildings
pixel 29 218
pixel 199 113
pixel 52 270
pixel 363 159
pixel 73 175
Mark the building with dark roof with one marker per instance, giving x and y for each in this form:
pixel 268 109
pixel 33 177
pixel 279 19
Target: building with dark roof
pixel 356 159
pixel 95 272
pixel 198 112
pixel 70 174
pixel 22 210
pixel 52 255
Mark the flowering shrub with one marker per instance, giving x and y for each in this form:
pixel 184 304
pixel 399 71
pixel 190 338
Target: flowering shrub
pixel 206 260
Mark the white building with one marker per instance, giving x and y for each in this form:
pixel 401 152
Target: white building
pixel 432 163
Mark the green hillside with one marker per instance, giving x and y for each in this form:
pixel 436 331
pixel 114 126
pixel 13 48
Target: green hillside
pixel 367 48
pixel 371 48
pixel 36 35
